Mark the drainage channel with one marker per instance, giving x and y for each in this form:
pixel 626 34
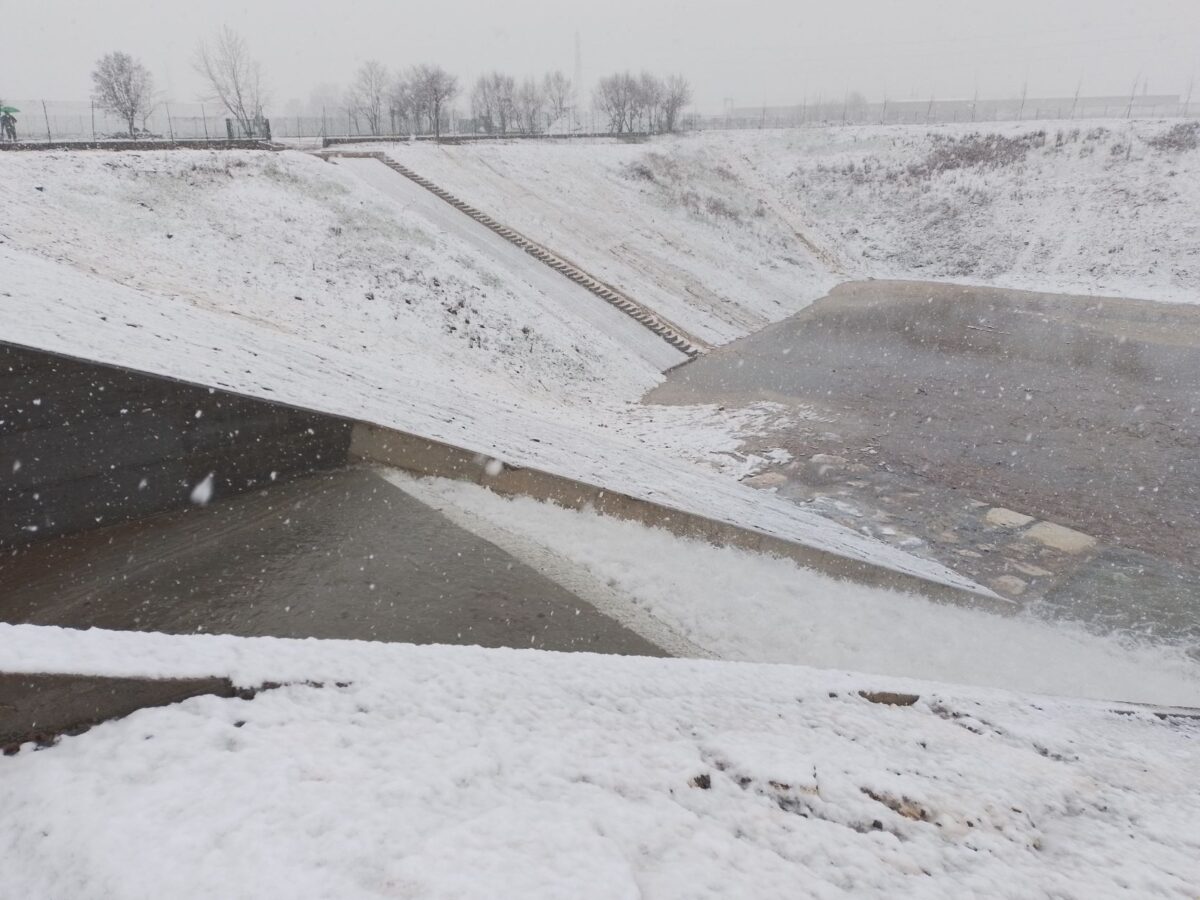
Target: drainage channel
pixel 669 332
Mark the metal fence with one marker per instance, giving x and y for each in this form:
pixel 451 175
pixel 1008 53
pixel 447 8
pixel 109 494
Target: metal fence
pixel 934 111
pixel 74 120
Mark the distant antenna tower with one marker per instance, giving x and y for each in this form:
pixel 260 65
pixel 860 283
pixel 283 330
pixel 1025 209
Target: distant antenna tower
pixel 578 78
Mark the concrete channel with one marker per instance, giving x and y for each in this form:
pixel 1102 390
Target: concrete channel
pixel 296 536
pixel 341 554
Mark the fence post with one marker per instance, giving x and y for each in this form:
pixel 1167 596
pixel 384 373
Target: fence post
pixel 204 119
pixel 46 116
pixel 92 104
pixel 170 124
pixel 229 128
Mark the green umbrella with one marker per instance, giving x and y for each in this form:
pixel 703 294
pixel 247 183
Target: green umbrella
pixel 8 109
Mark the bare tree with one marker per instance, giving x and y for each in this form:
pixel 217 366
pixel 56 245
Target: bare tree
pixel 433 90
pixel 648 102
pixel 234 78
pixel 854 105
pixel 530 103
pixel 123 86
pixel 556 88
pixel 368 94
pixel 615 97
pixel 483 104
pixel 492 102
pixel 402 105
pixel 677 94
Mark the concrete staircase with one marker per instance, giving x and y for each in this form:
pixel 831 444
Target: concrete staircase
pixel 669 332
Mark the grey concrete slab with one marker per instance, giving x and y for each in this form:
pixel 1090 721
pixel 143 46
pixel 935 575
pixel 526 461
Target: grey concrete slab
pixel 336 555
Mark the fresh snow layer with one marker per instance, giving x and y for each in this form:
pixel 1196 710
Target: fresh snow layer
pixel 732 604
pixel 284 277
pixel 669 222
pixel 516 263
pixel 726 231
pixel 303 248
pixel 463 772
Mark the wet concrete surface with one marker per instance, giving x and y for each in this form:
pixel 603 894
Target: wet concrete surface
pixel 335 555
pixel 925 406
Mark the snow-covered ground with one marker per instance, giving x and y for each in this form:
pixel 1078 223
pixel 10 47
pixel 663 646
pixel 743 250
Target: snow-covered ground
pixel 389 770
pixel 693 598
pixel 724 231
pixel 300 247
pixel 462 772
pixel 1099 207
pixel 668 221
pixel 403 324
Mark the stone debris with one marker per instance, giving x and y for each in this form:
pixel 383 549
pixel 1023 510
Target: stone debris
pixel 1009 584
pixel 1068 540
pixel 1031 570
pixel 1006 518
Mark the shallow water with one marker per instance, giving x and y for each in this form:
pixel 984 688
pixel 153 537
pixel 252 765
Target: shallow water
pixel 939 402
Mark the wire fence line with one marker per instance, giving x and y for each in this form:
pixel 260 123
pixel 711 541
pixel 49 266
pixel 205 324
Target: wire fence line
pixel 74 120
pixel 940 112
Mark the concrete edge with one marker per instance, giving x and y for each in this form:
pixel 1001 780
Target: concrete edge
pixel 41 707
pixel 427 457
pixel 334 140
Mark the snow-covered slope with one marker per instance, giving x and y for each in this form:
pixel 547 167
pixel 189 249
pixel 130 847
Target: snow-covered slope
pixel 462 772
pixel 406 325
pixel 725 231
pixel 698 600
pixel 1105 208
pixel 300 247
pixel 670 222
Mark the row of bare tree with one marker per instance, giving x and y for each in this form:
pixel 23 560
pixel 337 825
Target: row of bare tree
pixel 499 105
pixel 642 102
pixel 233 78
pixel 414 100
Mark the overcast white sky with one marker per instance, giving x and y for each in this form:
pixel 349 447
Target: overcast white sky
pixel 753 51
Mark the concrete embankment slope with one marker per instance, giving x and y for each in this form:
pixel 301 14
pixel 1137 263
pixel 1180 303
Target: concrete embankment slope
pixel 498 241
pixel 60 309
pixel 83 446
